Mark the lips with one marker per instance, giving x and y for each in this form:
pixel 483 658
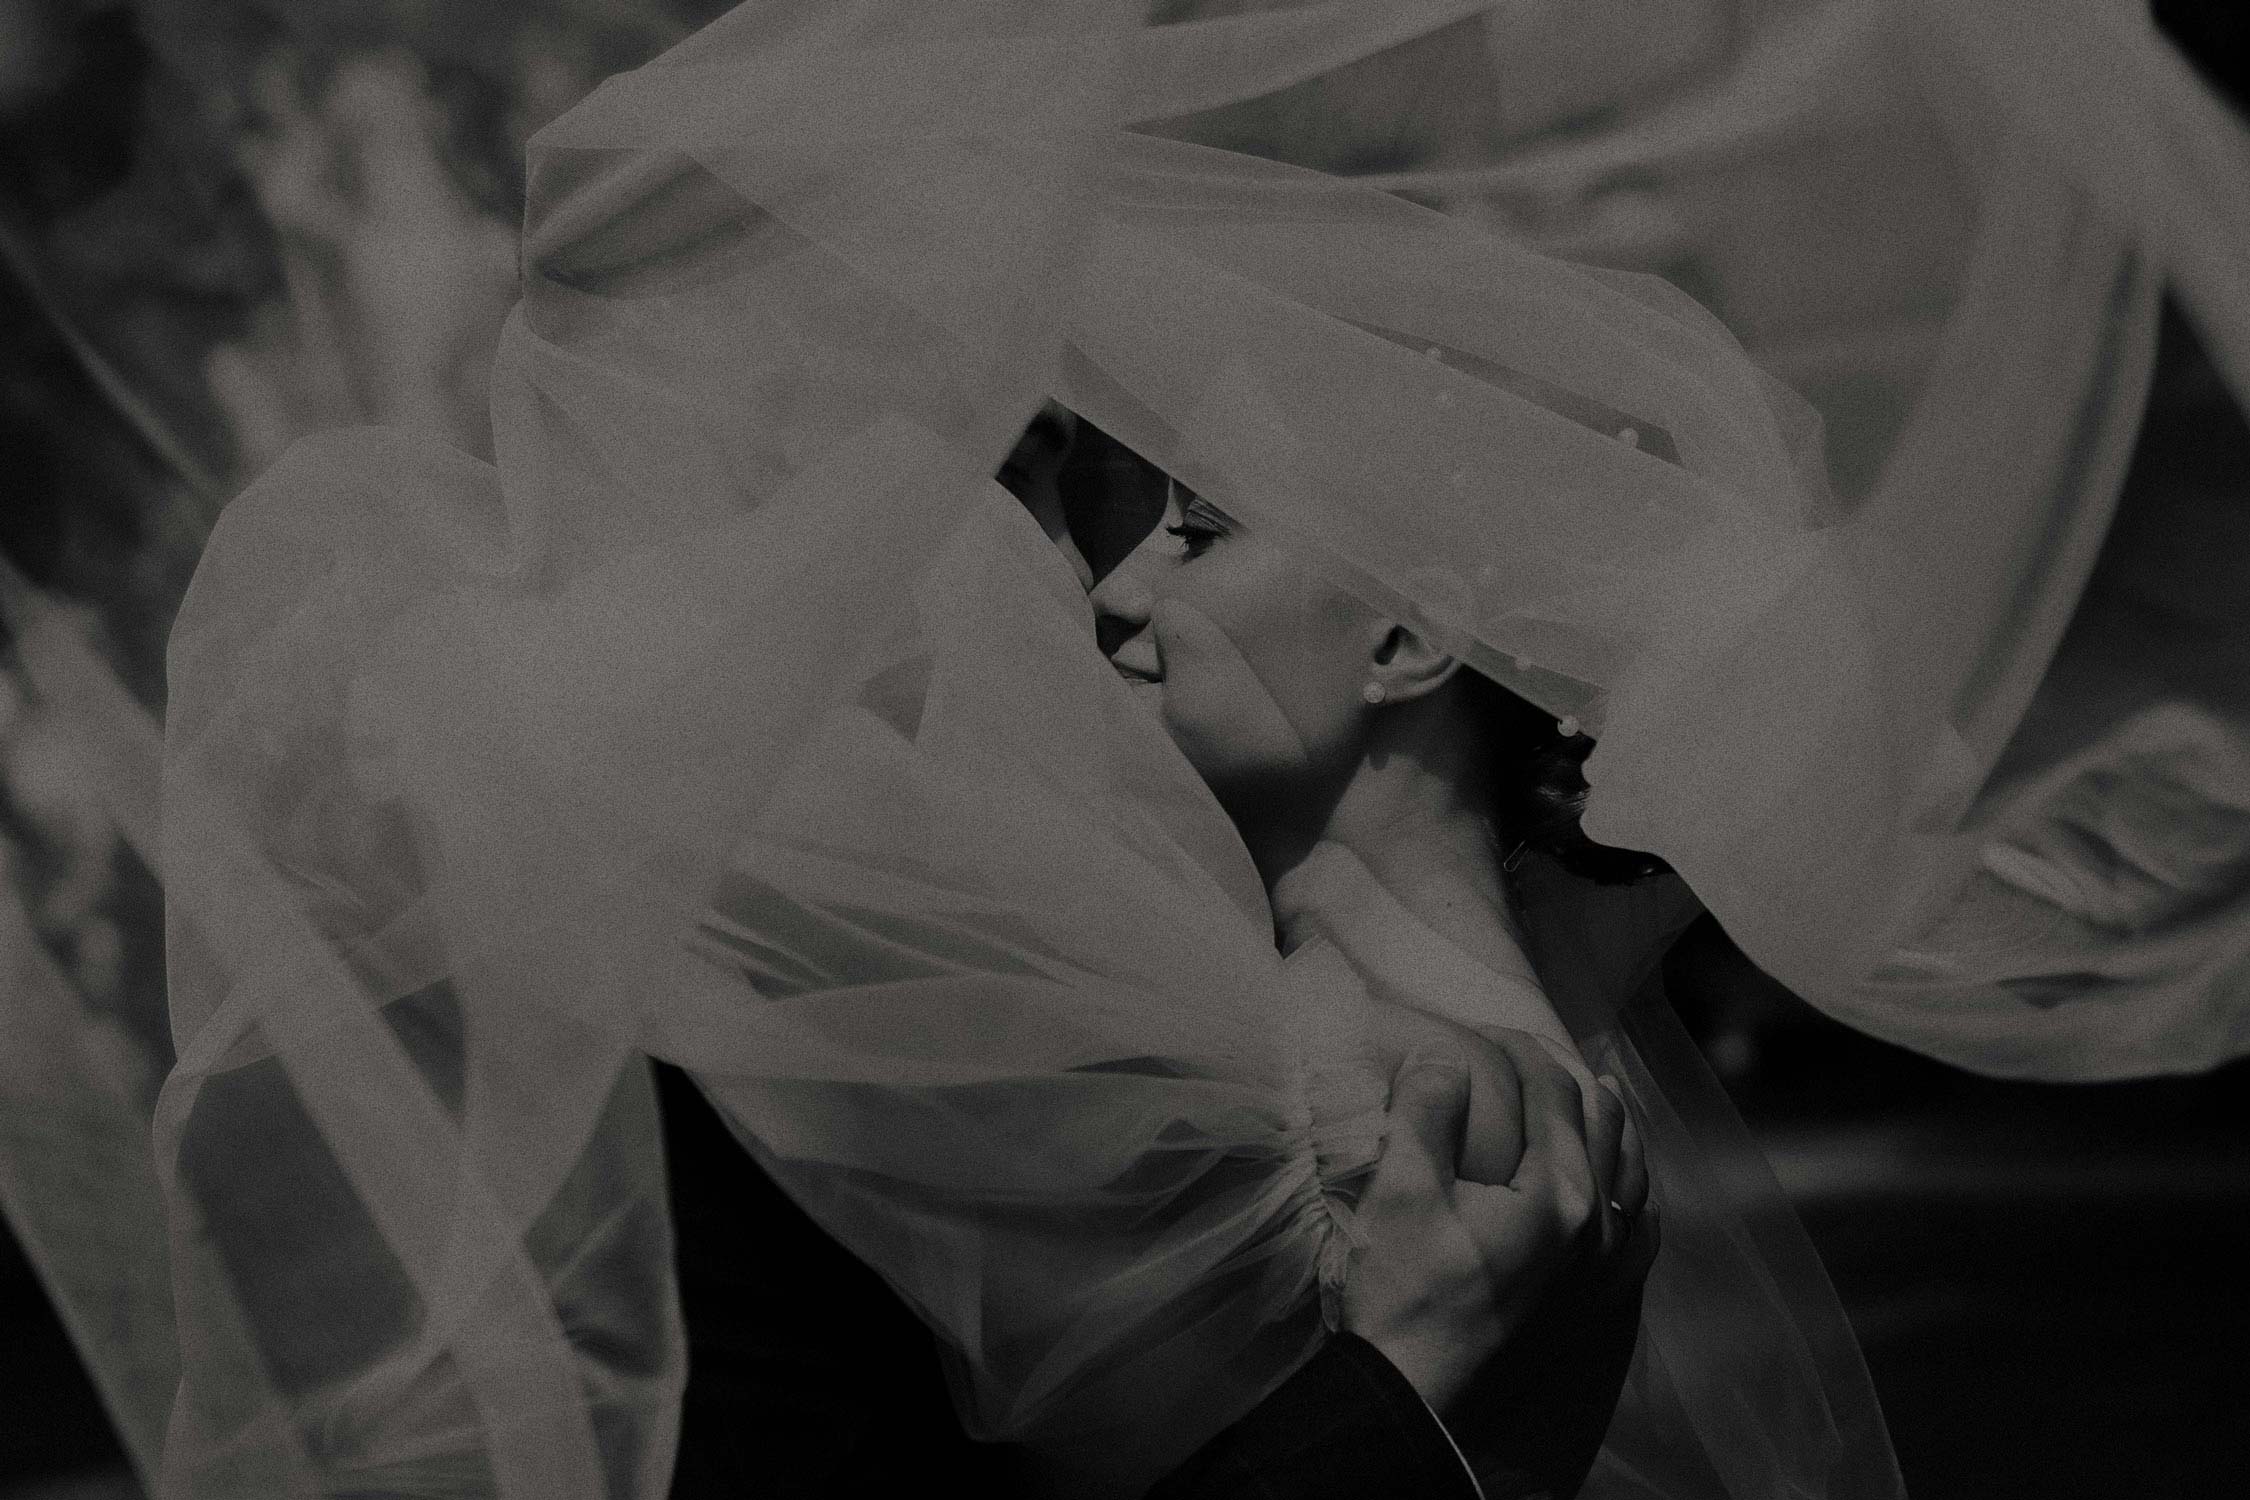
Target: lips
pixel 1134 674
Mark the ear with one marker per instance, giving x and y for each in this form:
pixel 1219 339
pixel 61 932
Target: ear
pixel 1407 663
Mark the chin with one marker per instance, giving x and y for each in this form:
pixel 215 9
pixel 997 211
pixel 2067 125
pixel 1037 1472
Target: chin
pixel 1249 781
pixel 1209 759
pixel 1227 736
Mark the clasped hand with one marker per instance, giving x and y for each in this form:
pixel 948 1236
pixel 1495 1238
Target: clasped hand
pixel 1507 1228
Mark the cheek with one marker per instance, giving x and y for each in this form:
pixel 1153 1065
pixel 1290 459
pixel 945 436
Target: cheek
pixel 1244 702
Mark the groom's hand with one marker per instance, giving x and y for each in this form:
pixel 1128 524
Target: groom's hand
pixel 1478 1240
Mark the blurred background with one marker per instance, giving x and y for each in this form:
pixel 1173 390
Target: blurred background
pixel 226 223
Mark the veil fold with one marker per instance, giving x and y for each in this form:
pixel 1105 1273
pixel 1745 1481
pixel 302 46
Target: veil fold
pixel 737 718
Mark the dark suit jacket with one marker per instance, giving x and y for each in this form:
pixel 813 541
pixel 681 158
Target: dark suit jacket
pixel 808 1376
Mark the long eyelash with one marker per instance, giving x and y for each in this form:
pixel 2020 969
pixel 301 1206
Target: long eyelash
pixel 1194 540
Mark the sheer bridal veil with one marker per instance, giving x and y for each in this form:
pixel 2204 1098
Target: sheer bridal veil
pixel 733 716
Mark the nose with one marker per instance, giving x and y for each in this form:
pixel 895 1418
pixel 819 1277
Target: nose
pixel 1122 601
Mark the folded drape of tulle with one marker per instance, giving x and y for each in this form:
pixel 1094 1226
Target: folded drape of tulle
pixel 985 981
pixel 1948 226
pixel 719 720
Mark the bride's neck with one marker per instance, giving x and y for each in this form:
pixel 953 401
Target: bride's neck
pixel 1432 858
pixel 1405 880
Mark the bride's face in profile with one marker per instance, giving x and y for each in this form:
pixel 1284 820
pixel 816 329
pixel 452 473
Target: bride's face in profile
pixel 1255 665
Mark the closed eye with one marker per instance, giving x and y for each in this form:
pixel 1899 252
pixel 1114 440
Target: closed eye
pixel 1201 523
pixel 1194 539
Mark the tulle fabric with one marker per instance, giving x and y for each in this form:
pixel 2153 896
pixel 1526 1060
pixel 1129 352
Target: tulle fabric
pixel 986 983
pixel 732 717
pixel 77 1180
pixel 1949 227
pixel 737 718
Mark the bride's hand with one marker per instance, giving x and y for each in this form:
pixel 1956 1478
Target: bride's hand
pixel 1502 1188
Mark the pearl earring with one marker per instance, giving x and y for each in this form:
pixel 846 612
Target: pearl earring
pixel 1373 692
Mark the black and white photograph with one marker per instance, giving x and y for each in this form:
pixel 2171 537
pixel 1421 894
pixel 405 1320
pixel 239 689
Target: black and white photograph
pixel 1125 749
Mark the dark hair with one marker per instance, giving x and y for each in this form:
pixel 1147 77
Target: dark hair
pixel 1542 789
